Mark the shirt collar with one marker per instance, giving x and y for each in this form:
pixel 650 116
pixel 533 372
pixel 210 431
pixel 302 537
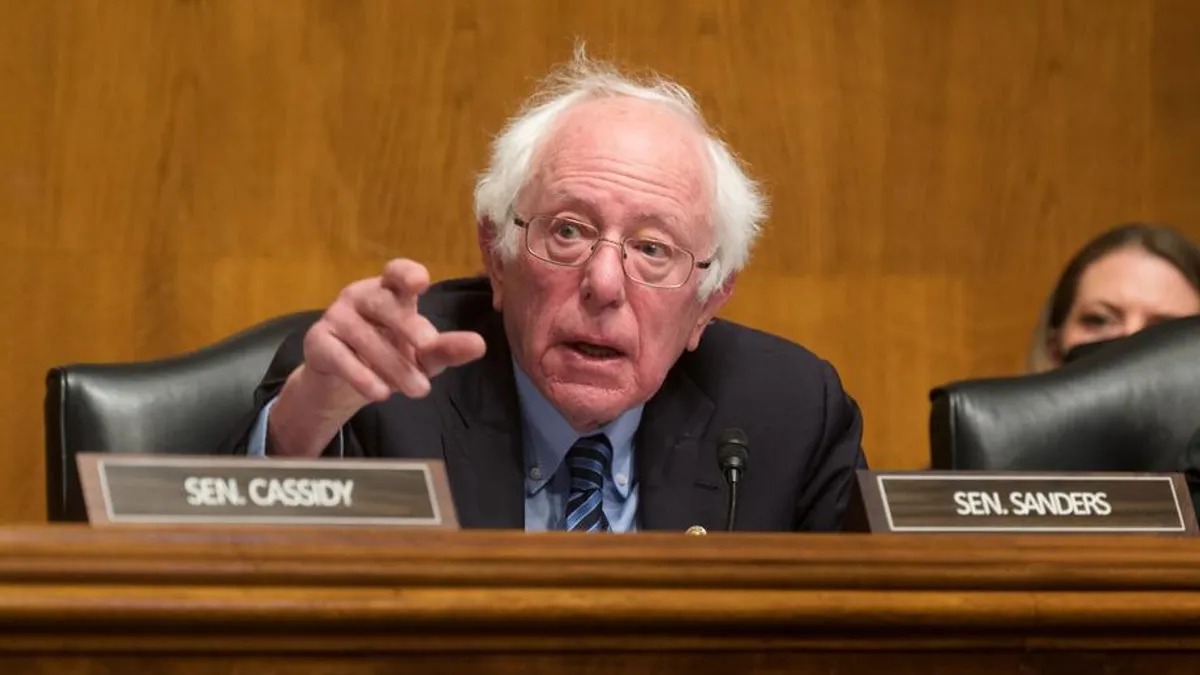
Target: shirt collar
pixel 553 436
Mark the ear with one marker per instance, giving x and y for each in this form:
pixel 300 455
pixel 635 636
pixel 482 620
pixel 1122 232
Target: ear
pixel 710 309
pixel 486 232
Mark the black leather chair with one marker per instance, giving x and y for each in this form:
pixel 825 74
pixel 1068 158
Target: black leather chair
pixel 1130 405
pixel 186 404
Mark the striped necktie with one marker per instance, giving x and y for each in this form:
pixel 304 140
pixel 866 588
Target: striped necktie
pixel 589 461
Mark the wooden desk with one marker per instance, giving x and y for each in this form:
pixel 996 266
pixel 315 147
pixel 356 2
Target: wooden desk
pixel 81 600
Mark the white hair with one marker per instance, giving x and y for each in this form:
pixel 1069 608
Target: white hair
pixel 738 208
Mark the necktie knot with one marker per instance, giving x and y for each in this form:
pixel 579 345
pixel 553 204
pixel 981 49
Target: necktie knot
pixel 589 462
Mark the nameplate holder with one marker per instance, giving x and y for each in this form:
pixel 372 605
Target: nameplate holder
pixel 1018 502
pixel 136 489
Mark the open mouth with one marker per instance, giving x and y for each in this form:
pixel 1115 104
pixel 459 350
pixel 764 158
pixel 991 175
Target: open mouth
pixel 594 351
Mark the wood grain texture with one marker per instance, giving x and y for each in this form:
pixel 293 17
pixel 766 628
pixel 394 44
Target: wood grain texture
pixel 74 599
pixel 636 663
pixel 174 170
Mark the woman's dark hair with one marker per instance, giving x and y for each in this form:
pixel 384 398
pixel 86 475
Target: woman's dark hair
pixel 1158 240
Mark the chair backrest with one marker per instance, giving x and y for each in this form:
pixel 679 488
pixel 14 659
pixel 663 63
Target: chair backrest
pixel 1131 405
pixel 185 404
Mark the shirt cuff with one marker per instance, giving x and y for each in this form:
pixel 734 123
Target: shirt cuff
pixel 258 435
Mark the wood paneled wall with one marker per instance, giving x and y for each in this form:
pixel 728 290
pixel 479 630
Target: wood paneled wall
pixel 174 170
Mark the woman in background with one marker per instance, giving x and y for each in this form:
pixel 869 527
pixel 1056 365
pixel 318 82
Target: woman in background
pixel 1128 278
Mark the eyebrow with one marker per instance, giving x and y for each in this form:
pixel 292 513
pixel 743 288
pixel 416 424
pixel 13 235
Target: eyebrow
pixel 560 199
pixel 567 200
pixel 1153 315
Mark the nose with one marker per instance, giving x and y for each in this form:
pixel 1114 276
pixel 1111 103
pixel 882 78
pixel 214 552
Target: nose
pixel 1133 324
pixel 604 277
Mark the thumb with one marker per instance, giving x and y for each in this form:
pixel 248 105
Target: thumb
pixel 450 349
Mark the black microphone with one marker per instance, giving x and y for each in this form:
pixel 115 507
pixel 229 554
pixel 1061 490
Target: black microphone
pixel 733 451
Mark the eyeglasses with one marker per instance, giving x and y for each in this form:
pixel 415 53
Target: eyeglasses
pixel 569 243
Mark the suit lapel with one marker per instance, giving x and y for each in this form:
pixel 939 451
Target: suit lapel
pixel 668 449
pixel 484 457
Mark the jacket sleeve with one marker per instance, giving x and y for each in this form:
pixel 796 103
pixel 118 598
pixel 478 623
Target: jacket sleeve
pixel 826 495
pixel 248 435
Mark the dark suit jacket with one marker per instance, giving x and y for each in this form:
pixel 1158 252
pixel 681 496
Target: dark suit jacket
pixel 804 430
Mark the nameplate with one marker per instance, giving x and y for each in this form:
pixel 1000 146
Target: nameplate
pixel 980 502
pixel 190 489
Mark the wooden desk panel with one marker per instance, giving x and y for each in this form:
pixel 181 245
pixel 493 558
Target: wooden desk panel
pixel 81 600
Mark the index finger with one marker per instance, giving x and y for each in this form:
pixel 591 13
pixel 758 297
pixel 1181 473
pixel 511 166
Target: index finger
pixel 407 279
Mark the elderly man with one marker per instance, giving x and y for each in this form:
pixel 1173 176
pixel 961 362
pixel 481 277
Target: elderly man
pixel 583 383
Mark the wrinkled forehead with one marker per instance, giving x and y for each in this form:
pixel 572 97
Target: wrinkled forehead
pixel 647 158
